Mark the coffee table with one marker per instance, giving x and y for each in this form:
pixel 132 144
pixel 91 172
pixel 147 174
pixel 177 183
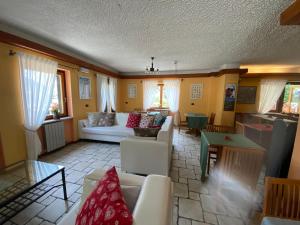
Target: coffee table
pixel 23 183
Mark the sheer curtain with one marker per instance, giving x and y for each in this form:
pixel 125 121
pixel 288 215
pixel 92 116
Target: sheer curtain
pixel 149 90
pixel 102 92
pixel 113 82
pixel 172 93
pixel 37 82
pixel 270 91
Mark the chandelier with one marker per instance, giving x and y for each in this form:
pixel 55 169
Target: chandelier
pixel 152 70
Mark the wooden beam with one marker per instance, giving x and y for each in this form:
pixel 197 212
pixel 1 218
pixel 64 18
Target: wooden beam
pixel 266 75
pixel 291 16
pixel 33 46
pixel 191 75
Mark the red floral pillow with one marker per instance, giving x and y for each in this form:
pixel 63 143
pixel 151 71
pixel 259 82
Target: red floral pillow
pixel 106 204
pixel 133 120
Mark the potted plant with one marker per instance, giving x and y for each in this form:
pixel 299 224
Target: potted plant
pixel 55 111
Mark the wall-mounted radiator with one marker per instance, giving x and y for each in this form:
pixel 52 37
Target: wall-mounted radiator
pixel 55 135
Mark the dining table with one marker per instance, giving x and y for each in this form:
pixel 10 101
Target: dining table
pixel 221 140
pixel 196 120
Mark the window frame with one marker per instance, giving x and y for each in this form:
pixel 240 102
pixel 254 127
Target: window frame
pixel 279 103
pixel 62 75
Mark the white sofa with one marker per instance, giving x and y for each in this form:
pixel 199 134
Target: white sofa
pixel 154 204
pixel 114 133
pixel 149 156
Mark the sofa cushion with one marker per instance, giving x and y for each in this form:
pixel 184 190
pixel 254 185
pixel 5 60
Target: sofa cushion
pixel 106 119
pixel 146 132
pixel 105 205
pixel 93 118
pixel 159 119
pixel 146 121
pixel 121 119
pixel 133 120
pixel 112 131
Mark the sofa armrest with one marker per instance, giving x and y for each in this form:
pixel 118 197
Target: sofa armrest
pixel 154 205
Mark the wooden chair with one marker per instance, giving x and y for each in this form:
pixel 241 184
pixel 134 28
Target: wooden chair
pixel 212 151
pixel 182 123
pixel 242 165
pixel 240 127
pixel 282 198
pixel 212 119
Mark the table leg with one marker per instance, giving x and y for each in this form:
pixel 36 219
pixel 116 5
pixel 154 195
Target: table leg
pixel 64 183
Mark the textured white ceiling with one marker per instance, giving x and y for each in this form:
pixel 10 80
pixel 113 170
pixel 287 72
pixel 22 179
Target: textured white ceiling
pixel 124 34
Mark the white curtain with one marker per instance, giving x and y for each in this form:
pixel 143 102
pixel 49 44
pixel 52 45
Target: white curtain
pixel 150 88
pixel 270 91
pixel 113 93
pixel 37 82
pixel 172 93
pixel 102 92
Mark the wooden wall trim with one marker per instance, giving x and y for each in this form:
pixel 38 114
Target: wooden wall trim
pixel 211 74
pixel 271 75
pixel 33 46
pixel 2 163
pixel 291 16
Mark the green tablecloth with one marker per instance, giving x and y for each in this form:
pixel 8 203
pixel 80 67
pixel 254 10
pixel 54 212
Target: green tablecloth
pixel 196 120
pixel 213 138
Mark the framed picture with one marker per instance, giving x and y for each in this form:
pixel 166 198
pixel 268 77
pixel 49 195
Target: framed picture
pixel 230 97
pixel 84 87
pixel 132 91
pixel 196 91
pixel 246 95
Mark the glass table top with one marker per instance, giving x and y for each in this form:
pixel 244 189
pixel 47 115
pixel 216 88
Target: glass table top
pixel 24 175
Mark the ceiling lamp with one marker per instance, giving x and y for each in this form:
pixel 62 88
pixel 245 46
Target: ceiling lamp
pixel 152 70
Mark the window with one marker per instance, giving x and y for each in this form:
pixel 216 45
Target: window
pixel 160 99
pixel 59 95
pixel 289 101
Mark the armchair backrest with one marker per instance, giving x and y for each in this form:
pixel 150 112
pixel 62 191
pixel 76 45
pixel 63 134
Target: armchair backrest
pixel 282 198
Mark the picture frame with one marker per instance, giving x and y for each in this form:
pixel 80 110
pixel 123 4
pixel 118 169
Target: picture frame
pixel 84 88
pixel 230 97
pixel 247 95
pixel 196 91
pixel 132 91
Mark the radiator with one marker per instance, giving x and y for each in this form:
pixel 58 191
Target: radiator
pixel 55 135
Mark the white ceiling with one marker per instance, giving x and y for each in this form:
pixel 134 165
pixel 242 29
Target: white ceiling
pixel 124 34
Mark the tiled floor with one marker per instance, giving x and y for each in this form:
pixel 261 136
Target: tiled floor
pixel 195 203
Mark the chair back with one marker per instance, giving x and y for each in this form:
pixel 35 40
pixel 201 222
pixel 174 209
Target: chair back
pixel 282 198
pixel 212 119
pixel 220 129
pixel 240 127
pixel 242 165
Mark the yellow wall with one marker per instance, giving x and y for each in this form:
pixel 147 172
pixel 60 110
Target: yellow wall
pixel 212 97
pixel 11 113
pixel 126 104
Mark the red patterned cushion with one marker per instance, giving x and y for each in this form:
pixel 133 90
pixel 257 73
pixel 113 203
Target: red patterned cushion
pixel 146 121
pixel 106 204
pixel 133 120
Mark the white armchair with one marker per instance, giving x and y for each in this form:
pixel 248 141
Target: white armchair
pixel 144 156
